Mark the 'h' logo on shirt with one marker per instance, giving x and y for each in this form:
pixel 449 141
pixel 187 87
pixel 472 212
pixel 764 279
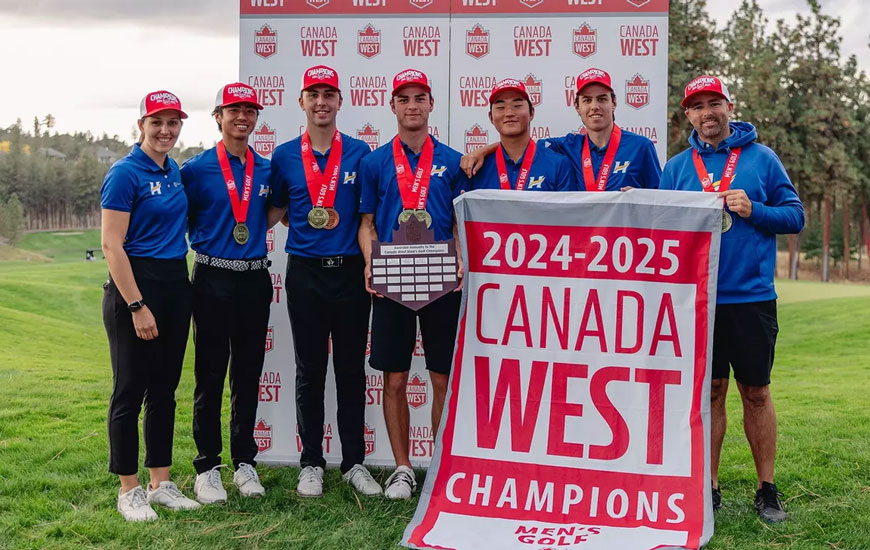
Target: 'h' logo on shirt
pixel 264 191
pixel 621 167
pixel 349 177
pixel 536 182
pixel 438 171
pixel 155 188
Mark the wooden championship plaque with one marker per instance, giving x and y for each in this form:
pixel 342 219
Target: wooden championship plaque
pixel 414 269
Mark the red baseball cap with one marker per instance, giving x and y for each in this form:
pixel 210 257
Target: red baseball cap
pixel 507 85
pixel 594 76
pixel 236 93
pixel 160 100
pixel 705 83
pixel 320 75
pixel 411 77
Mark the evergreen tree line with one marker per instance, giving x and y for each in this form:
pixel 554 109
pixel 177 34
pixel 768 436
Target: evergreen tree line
pixel 809 103
pixel 52 181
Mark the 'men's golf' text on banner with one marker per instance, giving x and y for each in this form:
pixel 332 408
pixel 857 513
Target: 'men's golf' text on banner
pixel 578 407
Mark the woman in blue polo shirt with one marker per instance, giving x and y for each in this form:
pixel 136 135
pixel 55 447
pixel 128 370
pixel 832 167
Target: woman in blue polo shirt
pixel 146 305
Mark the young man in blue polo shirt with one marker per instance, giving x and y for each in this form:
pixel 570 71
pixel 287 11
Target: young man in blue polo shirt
pixel 604 157
pixel 315 183
pixel 394 326
pixel 227 190
pixel 760 202
pixel 518 163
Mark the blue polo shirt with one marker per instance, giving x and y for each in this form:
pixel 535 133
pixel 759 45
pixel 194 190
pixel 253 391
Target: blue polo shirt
pixel 155 199
pixel 290 190
pixel 380 189
pixel 211 220
pixel 635 165
pixel 549 172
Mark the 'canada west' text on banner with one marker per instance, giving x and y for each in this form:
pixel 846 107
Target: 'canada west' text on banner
pixel 578 412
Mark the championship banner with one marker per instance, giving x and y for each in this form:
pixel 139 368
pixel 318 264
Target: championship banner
pixel 579 406
pixel 465 47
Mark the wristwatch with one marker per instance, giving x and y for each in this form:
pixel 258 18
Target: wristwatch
pixel 135 306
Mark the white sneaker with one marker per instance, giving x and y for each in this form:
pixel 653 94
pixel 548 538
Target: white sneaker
pixel 248 482
pixel 361 480
pixel 134 506
pixel 208 486
pixel 310 482
pixel 401 484
pixel 168 495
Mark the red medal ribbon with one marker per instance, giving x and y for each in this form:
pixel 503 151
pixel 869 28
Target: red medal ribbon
pixel 523 176
pixel 413 193
pixel 588 174
pixel 727 173
pixel 322 188
pixel 240 206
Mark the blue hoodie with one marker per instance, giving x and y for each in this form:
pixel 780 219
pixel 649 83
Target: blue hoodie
pixel 747 259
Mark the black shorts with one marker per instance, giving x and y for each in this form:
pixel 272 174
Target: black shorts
pixel 744 338
pixel 394 333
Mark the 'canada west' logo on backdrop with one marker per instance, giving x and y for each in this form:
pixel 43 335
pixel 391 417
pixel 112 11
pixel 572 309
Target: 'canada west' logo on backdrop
pixel 369 437
pixel 370 135
pixel 270 240
pixel 369 42
pixel 637 92
pixel 531 3
pixel 420 3
pixel 265 42
pixel 263 435
pixel 638 3
pixel 535 88
pixel 317 4
pixel 416 390
pixel 477 42
pixel 475 138
pixel 585 41
pixel 264 140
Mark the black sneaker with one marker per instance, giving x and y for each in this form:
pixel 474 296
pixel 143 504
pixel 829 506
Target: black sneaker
pixel 717 498
pixel 768 505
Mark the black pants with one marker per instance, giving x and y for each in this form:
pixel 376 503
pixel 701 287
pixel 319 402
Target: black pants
pixel 323 301
pixel 146 370
pixel 230 319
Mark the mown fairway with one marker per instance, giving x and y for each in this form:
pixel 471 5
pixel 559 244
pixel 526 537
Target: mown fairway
pixel 55 382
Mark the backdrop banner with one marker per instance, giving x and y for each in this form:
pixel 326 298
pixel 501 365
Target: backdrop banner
pixel 578 412
pixel 465 47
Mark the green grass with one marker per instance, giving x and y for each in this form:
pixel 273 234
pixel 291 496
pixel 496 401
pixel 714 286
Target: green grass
pixel 55 381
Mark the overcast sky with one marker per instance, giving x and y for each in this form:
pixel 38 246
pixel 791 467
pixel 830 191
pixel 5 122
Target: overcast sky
pixel 89 62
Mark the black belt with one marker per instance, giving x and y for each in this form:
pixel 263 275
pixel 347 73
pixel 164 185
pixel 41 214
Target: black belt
pixel 232 265
pixel 324 261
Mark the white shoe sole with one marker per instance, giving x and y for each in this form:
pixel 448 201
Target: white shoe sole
pixel 215 501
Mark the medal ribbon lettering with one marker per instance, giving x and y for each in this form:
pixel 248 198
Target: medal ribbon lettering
pixel 523 176
pixel 413 193
pixel 322 187
pixel 727 173
pixel 604 174
pixel 240 206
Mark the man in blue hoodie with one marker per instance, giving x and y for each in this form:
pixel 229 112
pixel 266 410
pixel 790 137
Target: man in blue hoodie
pixel 759 203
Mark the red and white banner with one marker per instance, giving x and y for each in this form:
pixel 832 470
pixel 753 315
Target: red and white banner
pixel 578 408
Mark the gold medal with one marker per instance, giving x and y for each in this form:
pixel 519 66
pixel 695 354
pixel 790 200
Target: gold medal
pixel 727 221
pixel 424 217
pixel 318 217
pixel 241 233
pixel 334 218
pixel 405 215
